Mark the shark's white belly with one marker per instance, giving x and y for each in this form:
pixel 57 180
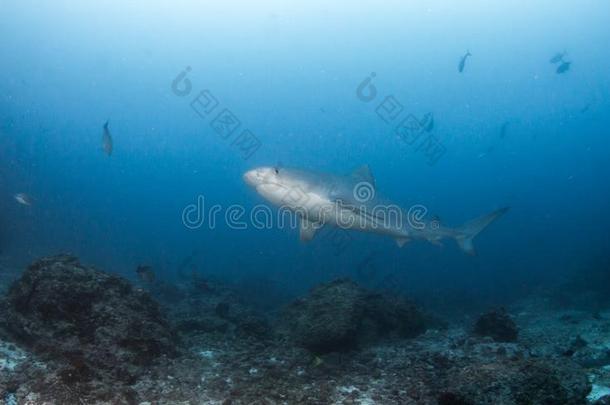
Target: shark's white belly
pixel 320 210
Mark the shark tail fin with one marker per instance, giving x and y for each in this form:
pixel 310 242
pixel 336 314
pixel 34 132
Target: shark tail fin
pixel 466 233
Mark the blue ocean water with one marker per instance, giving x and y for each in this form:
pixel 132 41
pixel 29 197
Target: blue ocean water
pixel 512 132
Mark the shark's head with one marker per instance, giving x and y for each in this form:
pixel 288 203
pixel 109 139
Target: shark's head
pixel 261 175
pixel 270 183
pixel 284 187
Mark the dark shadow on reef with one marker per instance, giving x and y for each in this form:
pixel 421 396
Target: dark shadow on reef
pixel 204 307
pixel 340 316
pixel 80 335
pixel 498 325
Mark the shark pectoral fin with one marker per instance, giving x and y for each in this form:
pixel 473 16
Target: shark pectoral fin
pixel 402 241
pixel 308 229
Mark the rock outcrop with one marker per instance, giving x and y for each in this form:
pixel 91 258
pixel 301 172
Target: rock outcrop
pixel 210 307
pixel 96 323
pixel 522 381
pixel 498 325
pixel 340 315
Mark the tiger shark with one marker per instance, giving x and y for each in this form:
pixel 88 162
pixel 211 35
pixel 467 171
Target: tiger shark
pixel 352 202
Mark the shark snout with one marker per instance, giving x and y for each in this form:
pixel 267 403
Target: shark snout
pixel 258 176
pixel 250 178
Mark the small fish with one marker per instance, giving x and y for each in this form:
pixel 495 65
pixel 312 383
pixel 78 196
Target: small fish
pixel 564 67
pixel 557 58
pixel 107 140
pixel 463 61
pixel 146 274
pixel 24 199
pixel 317 361
pixel 585 108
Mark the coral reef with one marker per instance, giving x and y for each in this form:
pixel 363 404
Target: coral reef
pixel 206 306
pixel 517 381
pixel 95 324
pixel 339 315
pixel 72 334
pixel 601 395
pixel 498 325
pixel 328 319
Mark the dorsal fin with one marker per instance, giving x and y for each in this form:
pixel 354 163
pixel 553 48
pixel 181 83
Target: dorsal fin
pixel 363 173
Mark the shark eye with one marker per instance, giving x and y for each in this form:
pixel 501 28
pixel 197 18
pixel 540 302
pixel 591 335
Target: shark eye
pixel 276 170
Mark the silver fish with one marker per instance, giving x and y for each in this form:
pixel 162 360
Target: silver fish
pixel 564 67
pixel 557 58
pixel 463 61
pixel 107 144
pixel 23 199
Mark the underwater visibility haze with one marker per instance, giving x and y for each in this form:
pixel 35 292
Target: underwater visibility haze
pixel 305 202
